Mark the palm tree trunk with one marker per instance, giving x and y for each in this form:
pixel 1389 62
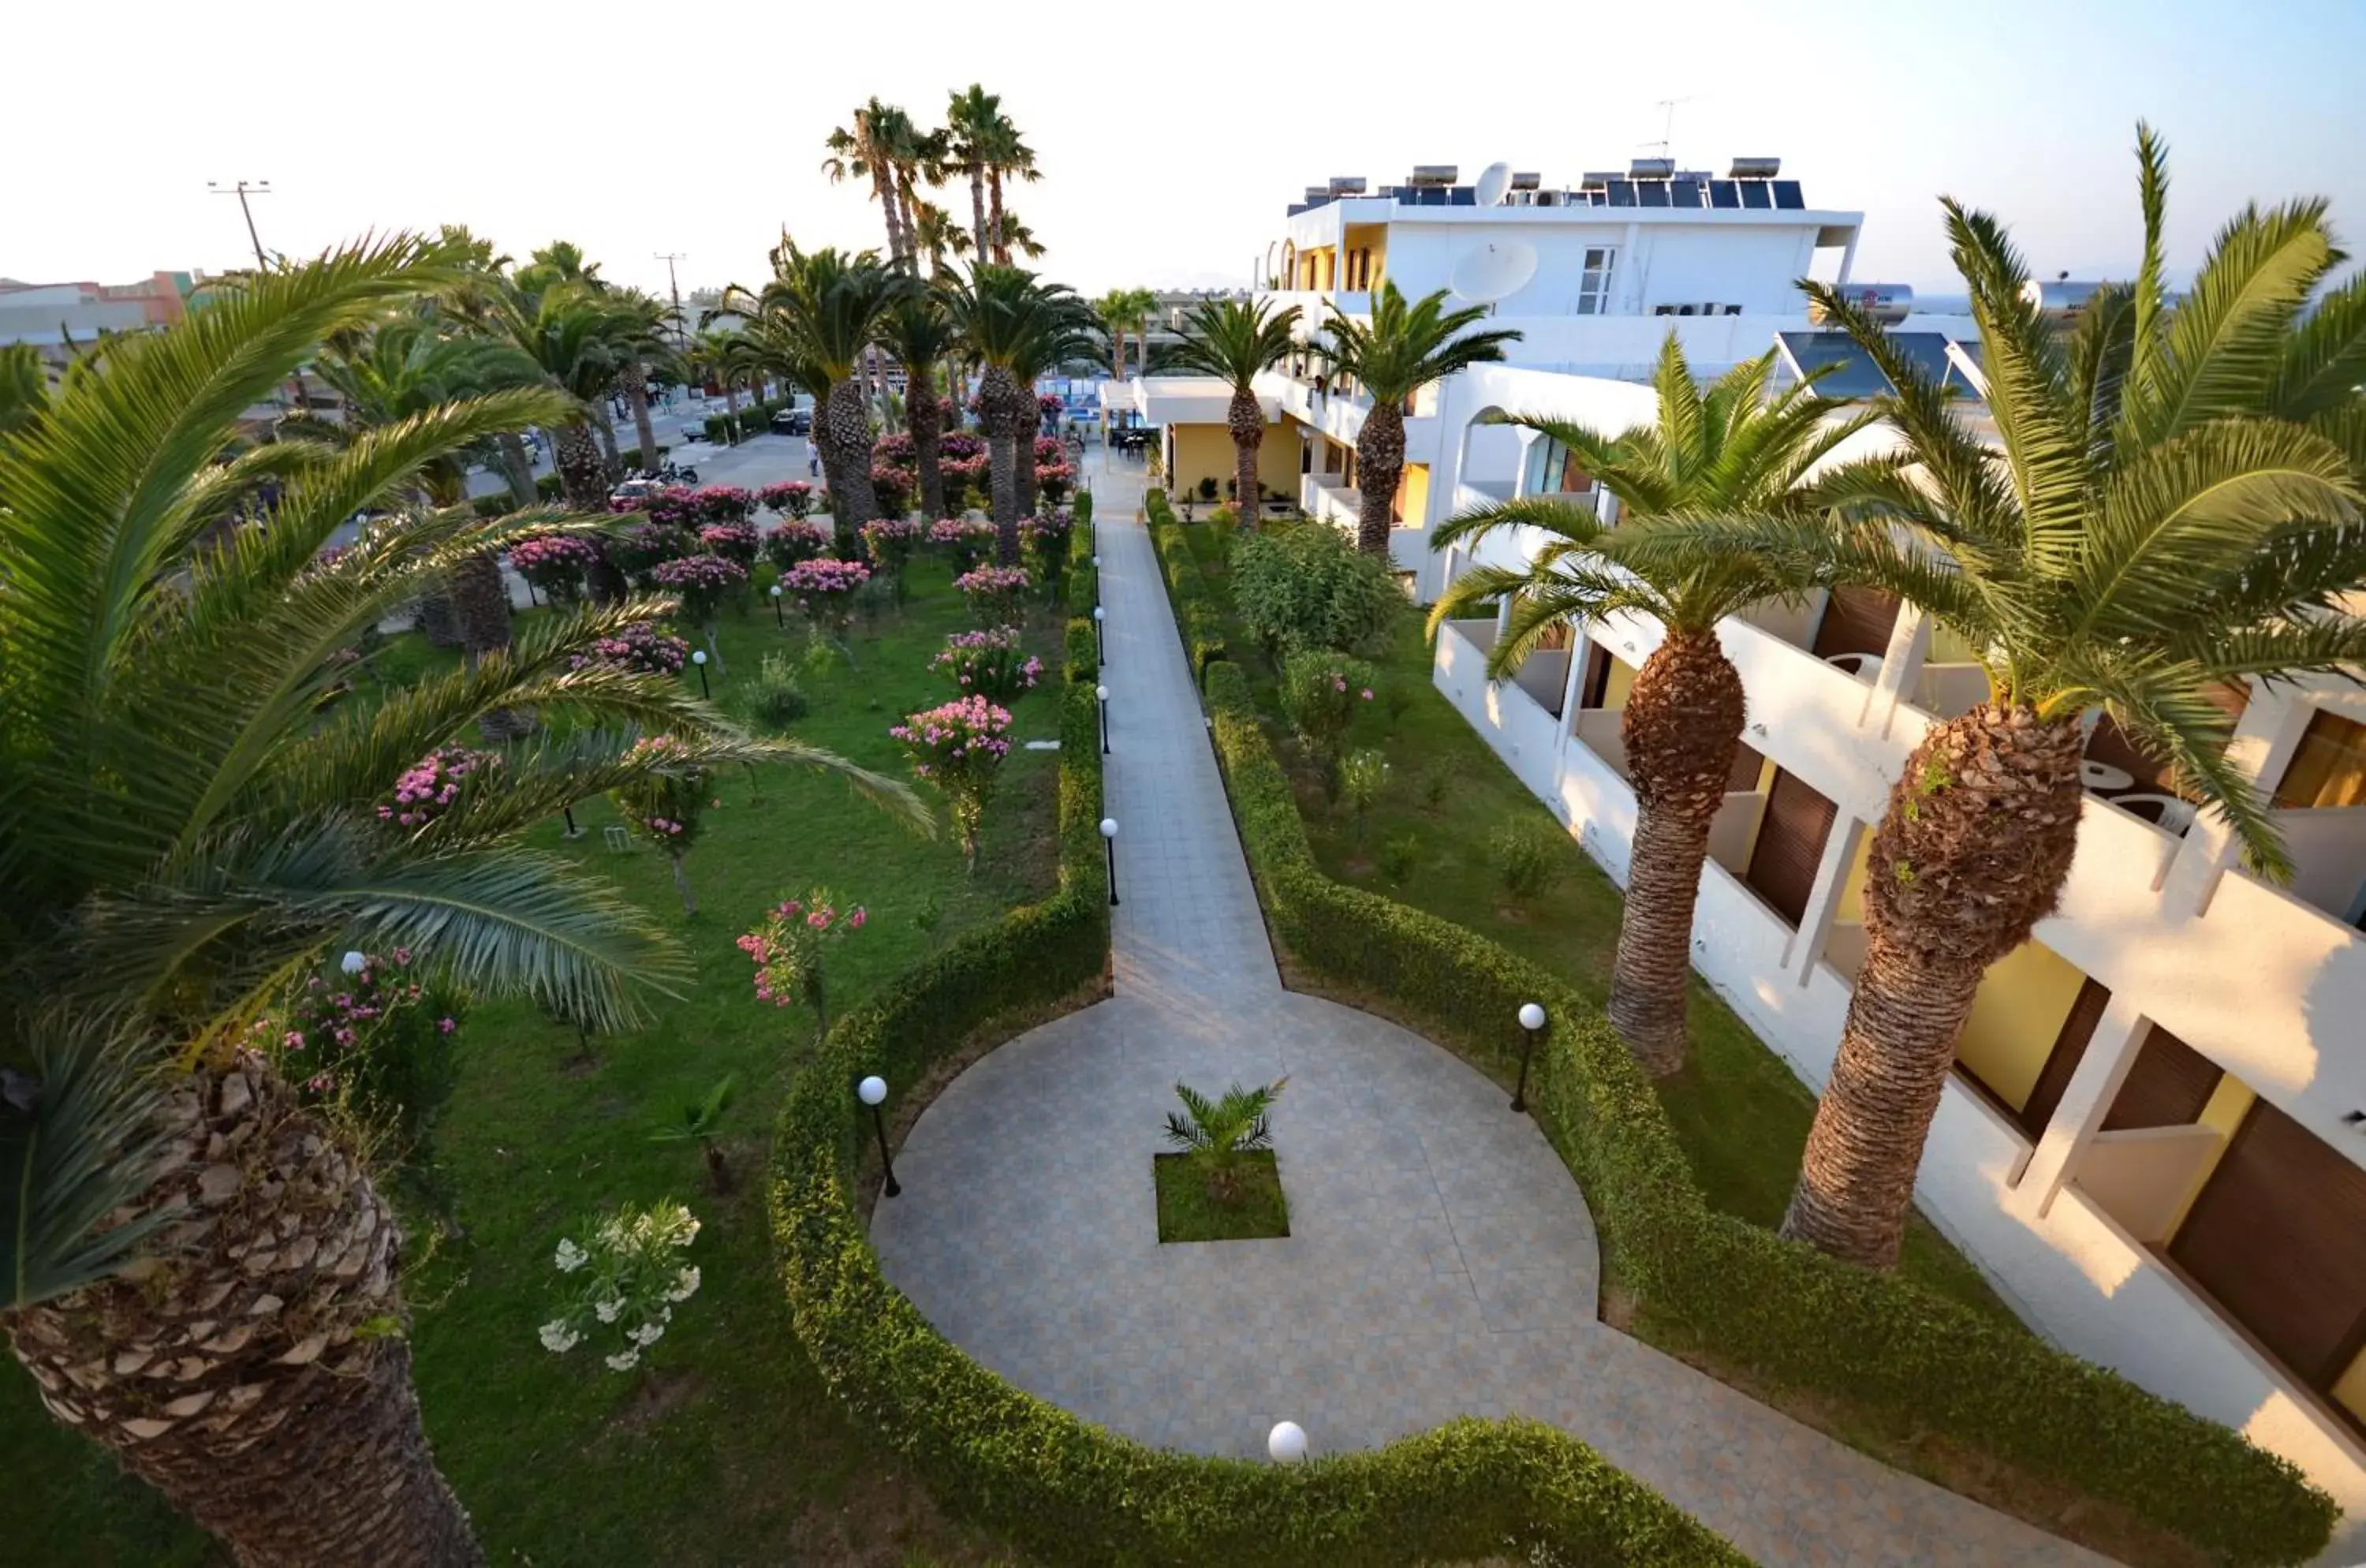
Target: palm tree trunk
pixel 1682 728
pixel 1970 855
pixel 843 431
pixel 517 467
pixel 439 618
pixel 978 212
pixel 483 602
pixel 999 256
pixel 612 461
pixel 1002 475
pixel 1023 473
pixel 681 885
pixel 247 1374
pixel 1380 465
pixel 1245 418
pixel 926 416
pixel 636 378
pixel 585 485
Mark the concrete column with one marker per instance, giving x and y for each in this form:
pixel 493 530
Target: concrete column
pixel 2111 1052
pixel 1901 667
pixel 2265 739
pixel 1831 878
pixel 1848 257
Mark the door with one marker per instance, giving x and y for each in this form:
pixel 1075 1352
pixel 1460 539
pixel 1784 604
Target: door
pixel 1856 620
pixel 2069 1049
pixel 1790 846
pixel 2168 1087
pixel 1596 685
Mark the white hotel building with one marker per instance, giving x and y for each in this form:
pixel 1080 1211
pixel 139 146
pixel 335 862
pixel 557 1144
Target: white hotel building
pixel 2153 1144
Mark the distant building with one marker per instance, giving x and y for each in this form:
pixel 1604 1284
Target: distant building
pixel 61 319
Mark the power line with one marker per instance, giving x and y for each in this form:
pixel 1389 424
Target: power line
pixel 242 190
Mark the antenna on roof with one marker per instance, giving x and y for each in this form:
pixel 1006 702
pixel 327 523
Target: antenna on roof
pixel 1667 127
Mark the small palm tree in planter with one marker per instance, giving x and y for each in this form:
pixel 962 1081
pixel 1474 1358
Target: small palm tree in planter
pixel 1215 1188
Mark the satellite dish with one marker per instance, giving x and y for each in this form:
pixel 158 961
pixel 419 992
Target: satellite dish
pixel 1493 271
pixel 1493 183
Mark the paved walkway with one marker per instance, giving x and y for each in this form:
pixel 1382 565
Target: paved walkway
pixel 1441 1261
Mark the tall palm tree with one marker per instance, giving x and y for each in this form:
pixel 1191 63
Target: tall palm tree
pixel 2175 506
pixel 938 237
pixel 972 119
pixel 1018 239
pixel 868 149
pixel 480 282
pixel 196 1268
pixel 727 354
pixel 1123 310
pixel 921 334
pixel 1016 326
pixel 816 319
pixel 641 342
pixel 24 385
pixel 1732 453
pixel 1235 341
pixel 1400 350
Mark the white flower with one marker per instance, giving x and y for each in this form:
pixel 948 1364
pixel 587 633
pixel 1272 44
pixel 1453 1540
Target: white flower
pixel 624 1360
pixel 685 1285
pixel 648 1334
pixel 558 1338
pixel 571 1257
pixel 607 1311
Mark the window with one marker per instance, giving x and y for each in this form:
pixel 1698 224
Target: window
pixel 1593 287
pixel 2329 768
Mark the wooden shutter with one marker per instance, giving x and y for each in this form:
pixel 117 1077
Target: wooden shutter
pixel 2279 1237
pixel 1856 620
pixel 1596 685
pixel 1790 845
pixel 1747 765
pixel 2069 1049
pixel 2166 1087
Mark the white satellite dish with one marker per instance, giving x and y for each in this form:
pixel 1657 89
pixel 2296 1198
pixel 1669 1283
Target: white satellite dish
pixel 1493 271
pixel 1495 182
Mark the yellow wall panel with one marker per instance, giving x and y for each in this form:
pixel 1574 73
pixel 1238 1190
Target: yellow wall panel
pixel 2017 1017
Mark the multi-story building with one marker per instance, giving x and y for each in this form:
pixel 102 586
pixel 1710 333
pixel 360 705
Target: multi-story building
pixel 60 318
pixel 2154 1143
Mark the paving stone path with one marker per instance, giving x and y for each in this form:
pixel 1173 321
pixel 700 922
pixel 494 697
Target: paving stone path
pixel 1441 1261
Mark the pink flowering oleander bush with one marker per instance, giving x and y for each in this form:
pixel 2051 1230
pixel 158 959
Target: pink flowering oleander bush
pixel 734 542
pixel 722 503
pixel 960 446
pixel 890 542
pixel 702 582
pixel 432 785
pixel 374 1037
pixel 1045 538
pixel 824 588
pixel 640 549
pixel 968 540
pixel 1053 480
pixel 892 488
pixel 620 1285
pixel 1049 450
pixel 895 451
pixel 794 541
pixel 638 646
pixel 989 664
pixel 554 562
pixel 792 498
pixel 959 746
pixel 791 949
pixel 967 479
pixel 1321 692
pixel 665 801
pixel 995 593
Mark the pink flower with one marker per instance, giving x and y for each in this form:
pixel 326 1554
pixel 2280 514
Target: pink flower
pixel 293 1040
pixel 856 918
pixel 446 1025
pixel 1368 694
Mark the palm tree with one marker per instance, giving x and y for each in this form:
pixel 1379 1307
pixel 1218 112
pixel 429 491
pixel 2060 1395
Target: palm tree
pixel 990 144
pixel 1123 310
pixel 2174 507
pixel 816 319
pixel 1730 453
pixel 869 149
pixel 972 119
pixel 1018 239
pixel 24 385
pixel 1215 1133
pixel 1235 341
pixel 936 236
pixel 640 342
pixel 198 1271
pixel 481 281
pixel 1400 350
pixel 921 334
pixel 1018 328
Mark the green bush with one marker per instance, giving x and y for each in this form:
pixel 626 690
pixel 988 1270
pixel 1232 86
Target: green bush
pixel 1075 1492
pixel 1785 1312
pixel 1397 858
pixel 1201 619
pixel 547 486
pixel 498 504
pixel 1306 586
pixel 1321 694
pixel 773 698
pixel 1526 860
pixel 1084 510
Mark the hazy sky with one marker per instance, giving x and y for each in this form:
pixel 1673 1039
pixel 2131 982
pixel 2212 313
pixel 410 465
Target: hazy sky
pixel 1170 138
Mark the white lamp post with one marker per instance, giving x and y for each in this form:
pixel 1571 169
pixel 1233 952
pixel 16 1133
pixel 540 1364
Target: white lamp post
pixel 872 1092
pixel 353 962
pixel 776 608
pixel 1101 693
pixel 1109 842
pixel 699 658
pixel 1532 1023
pixel 1099 651
pixel 1286 1444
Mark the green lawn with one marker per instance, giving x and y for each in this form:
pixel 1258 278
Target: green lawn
pixel 723 1448
pixel 1189 1208
pixel 1740 1114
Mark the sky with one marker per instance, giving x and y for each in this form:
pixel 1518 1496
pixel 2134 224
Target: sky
pixel 1170 140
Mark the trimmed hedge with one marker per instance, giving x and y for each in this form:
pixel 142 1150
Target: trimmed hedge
pixel 1075 1492
pixel 1784 1311
pixel 1196 611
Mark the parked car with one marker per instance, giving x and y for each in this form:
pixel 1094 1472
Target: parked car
pixel 792 422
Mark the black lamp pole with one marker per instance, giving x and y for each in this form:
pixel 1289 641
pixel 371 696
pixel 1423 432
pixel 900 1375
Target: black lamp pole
pixel 704 690
pixel 573 831
pixel 1103 695
pixel 1528 1032
pixel 879 1125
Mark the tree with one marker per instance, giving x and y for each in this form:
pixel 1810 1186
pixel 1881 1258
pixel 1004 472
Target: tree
pixel 1731 453
pixel 2174 507
pixel 24 385
pixel 936 236
pixel 638 337
pixel 1018 327
pixel 1400 349
pixel 1123 310
pixel 728 356
pixel 1216 1132
pixel 971 134
pixel 869 149
pixel 1235 341
pixel 1018 239
pixel 167 1201
pixel 815 320
pixel 921 334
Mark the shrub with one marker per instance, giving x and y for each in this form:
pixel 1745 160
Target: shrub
pixel 664 802
pixel 1206 488
pixel 1525 860
pixel 554 562
pixel 793 499
pixel 791 950
pixel 493 506
pixel 372 1042
pixel 890 541
pixel 794 541
pixel 722 503
pixel 892 488
pixel 621 1288
pixel 996 594
pixel 1046 540
pixel 1306 586
pixel 702 582
pixel 1320 694
pixel 1786 1313
pixel 825 589
pixel 1222 517
pixel 1363 775
pixel 640 549
pixel 638 646
pixel 547 487
pixel 433 785
pixel 969 540
pixel 734 542
pixel 990 664
pixel 773 698
pixel 959 746
pixel 1083 509
pixel 1397 858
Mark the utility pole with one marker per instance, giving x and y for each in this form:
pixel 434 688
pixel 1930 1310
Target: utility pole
pixel 681 333
pixel 242 189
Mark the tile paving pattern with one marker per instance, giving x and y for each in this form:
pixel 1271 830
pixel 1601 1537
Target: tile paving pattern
pixel 1441 1261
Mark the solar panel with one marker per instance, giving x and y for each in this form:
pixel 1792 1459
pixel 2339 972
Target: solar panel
pixel 1684 193
pixel 1622 192
pixel 1652 193
pixel 1754 193
pixel 1787 195
pixel 1721 194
